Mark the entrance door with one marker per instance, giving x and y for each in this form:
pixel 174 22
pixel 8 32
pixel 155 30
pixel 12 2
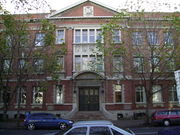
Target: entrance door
pixel 88 99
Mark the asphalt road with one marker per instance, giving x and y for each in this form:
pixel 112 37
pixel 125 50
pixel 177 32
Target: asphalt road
pixel 138 131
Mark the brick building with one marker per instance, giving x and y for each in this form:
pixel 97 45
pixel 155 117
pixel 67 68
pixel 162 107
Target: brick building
pixel 83 89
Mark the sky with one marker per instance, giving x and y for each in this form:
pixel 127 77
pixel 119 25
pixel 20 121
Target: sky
pixel 148 5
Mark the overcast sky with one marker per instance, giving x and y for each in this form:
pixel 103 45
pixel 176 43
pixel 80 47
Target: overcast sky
pixel 148 5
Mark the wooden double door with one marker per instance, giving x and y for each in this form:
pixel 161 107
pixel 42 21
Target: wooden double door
pixel 89 99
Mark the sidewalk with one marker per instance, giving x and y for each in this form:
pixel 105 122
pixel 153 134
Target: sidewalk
pixel 119 123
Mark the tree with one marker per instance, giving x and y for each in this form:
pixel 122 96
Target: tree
pixel 24 56
pixel 149 52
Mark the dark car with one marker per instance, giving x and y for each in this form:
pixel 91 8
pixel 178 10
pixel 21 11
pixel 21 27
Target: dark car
pixel 36 120
pixel 170 131
pixel 166 117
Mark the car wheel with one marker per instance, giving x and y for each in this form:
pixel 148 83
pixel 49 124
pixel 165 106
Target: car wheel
pixel 31 126
pixel 166 123
pixel 62 126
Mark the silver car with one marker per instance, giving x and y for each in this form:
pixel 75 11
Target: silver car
pixel 98 127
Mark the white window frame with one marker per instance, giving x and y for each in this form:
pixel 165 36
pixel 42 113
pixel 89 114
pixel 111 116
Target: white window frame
pixel 157 94
pixel 168 38
pixel 141 91
pixel 39 39
pixel 121 90
pixel 114 36
pixel 37 90
pixel 137 38
pixel 38 65
pixel 138 64
pixel 62 40
pixel 117 63
pixel 173 92
pixel 152 38
pixel 61 98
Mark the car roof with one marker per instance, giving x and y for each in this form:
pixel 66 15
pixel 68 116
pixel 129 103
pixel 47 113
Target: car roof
pixel 93 122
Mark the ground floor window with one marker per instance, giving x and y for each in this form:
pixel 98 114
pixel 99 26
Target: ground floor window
pixel 118 93
pixel 59 94
pixel 157 93
pixel 37 95
pixel 173 93
pixel 21 95
pixel 140 94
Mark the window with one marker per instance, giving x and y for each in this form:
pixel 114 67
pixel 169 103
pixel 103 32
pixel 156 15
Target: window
pixel 140 94
pixel 8 41
pixel 22 63
pixel 59 94
pixel 38 65
pixel 84 35
pixel 21 95
pixel 1 96
pixel 92 36
pixel 39 40
pixel 99 131
pixel 116 132
pixel 100 63
pixel 170 65
pixel 117 64
pixel 37 95
pixel 118 93
pixel 98 35
pixel 157 94
pixel 60 36
pixel 78 131
pixel 87 35
pixel 173 93
pixel 6 65
pixel 168 39
pixel 152 38
pixel 155 63
pixel 137 38
pixel 60 63
pixel 78 63
pixel 139 64
pixel 116 36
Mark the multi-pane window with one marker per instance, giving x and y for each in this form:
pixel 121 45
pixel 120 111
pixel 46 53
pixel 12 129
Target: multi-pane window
pixel 170 65
pixel 9 41
pixel 59 94
pixel 6 65
pixel 138 64
pixel 87 35
pixel 88 62
pixel 157 94
pixel 116 36
pixel 117 63
pixel 137 38
pixel 155 64
pixel 21 95
pixel 173 93
pixel 118 93
pixel 140 94
pixel 152 38
pixel 60 36
pixel 60 63
pixel 39 39
pixel 22 63
pixel 38 65
pixel 37 95
pixel 168 38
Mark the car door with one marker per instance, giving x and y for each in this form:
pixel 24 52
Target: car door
pixel 99 130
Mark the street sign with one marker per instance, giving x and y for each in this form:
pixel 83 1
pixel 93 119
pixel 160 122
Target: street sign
pixel 177 78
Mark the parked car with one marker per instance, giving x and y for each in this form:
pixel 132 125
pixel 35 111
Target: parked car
pixel 36 120
pixel 166 117
pixel 98 127
pixel 170 131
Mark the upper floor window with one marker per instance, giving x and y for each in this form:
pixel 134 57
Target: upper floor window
pixel 6 65
pixel 87 35
pixel 38 65
pixel 155 64
pixel 157 93
pixel 60 63
pixel 88 11
pixel 118 93
pixel 116 36
pixel 117 64
pixel 39 39
pixel 60 36
pixel 9 41
pixel 22 63
pixel 168 38
pixel 152 38
pixel 139 64
pixel 137 38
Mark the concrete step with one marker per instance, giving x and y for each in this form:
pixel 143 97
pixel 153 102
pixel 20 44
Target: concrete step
pixel 88 115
